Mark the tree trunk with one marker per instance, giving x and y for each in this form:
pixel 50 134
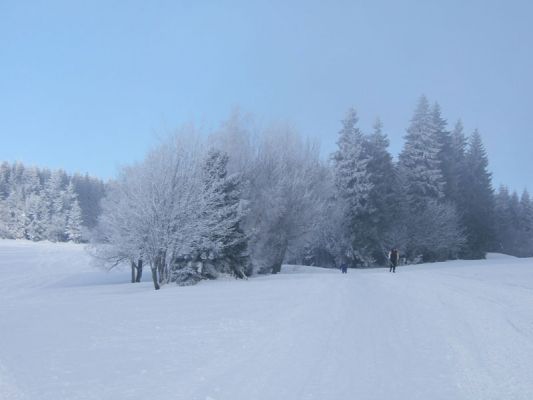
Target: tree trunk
pixel 161 266
pixel 133 270
pixel 154 277
pixel 278 261
pixel 139 270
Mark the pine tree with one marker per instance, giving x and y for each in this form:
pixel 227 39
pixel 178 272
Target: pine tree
pixel 426 149
pixel 383 197
pixel 445 154
pixel 419 160
pixel 73 230
pixel 54 198
pixel 17 219
pixel 5 172
pixel 515 222
pixel 90 192
pixel 526 225
pixel 502 218
pixel 226 240
pixel 478 207
pixel 456 166
pixel 353 185
pixel 36 217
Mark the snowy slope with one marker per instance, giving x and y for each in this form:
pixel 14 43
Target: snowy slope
pixel 457 330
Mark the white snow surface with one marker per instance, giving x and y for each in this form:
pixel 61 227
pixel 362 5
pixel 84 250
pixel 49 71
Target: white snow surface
pixel 455 330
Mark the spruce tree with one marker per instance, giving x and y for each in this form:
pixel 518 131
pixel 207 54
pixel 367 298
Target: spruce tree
pixel 478 207
pixel 383 196
pixel 419 160
pixel 74 222
pixel 353 185
pixel 226 241
pixel 502 218
pixel 445 154
pixel 426 149
pixel 36 214
pixel 53 196
pixel 456 166
pixel 526 225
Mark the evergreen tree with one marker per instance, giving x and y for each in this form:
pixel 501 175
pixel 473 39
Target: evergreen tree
pixel 516 224
pixel 383 198
pixel 456 166
pixel 226 241
pixel 74 222
pixel 90 191
pixel 36 217
pixel 35 203
pixel 526 225
pixel 17 220
pixel 5 172
pixel 502 218
pixel 419 160
pixel 478 207
pixel 445 154
pixel 54 197
pixel 353 184
pixel 426 149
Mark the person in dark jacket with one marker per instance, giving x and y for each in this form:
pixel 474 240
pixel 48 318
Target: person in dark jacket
pixel 394 257
pixel 344 268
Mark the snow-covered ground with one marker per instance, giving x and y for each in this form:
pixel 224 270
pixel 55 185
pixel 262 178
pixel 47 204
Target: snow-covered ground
pixel 456 330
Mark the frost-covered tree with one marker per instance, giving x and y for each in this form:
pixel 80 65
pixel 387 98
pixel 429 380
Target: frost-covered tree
pixel 54 197
pixel 353 187
pixel 437 236
pixel 225 244
pixel 74 222
pixel 156 209
pixel 17 218
pixel 513 223
pixel 238 138
pixel 5 172
pixel 383 198
pixel 284 197
pixel 478 206
pixel 446 156
pixel 419 160
pixel 502 219
pixel 526 225
pixel 90 192
pixel 36 217
pixel 456 165
pixel 427 148
pixel 34 199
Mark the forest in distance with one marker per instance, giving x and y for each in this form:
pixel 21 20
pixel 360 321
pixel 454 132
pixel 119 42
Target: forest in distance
pixel 242 201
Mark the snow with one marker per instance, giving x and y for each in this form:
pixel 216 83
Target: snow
pixel 455 330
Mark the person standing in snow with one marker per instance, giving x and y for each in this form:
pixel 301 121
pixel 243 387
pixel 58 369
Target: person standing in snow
pixel 394 256
pixel 344 268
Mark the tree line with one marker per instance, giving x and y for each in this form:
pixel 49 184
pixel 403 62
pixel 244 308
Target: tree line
pixel 40 204
pixel 245 200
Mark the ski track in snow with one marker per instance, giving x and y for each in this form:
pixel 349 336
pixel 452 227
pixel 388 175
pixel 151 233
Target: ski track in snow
pixel 455 330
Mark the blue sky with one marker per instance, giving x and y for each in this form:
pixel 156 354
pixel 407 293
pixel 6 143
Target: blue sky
pixel 88 86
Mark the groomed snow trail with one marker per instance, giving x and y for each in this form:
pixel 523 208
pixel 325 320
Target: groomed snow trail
pixel 457 330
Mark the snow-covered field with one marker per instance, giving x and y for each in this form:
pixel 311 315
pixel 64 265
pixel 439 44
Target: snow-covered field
pixel 456 330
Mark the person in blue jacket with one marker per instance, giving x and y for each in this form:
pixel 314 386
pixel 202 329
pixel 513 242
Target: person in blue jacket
pixel 344 268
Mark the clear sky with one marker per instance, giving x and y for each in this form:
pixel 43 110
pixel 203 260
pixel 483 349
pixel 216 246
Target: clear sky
pixel 88 85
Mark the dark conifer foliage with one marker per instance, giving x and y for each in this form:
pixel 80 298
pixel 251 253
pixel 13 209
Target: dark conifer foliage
pixel 383 200
pixel 514 223
pixel 477 208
